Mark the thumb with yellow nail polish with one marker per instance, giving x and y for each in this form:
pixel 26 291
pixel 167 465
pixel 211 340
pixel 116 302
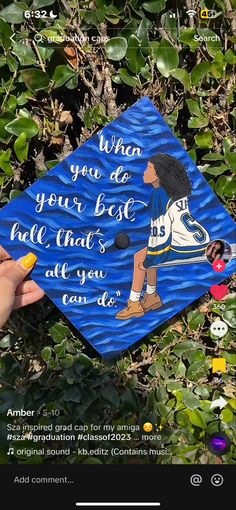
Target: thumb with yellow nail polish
pixel 28 261
pixel 22 267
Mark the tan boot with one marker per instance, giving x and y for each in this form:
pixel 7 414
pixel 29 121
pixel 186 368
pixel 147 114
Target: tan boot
pixel 151 302
pixel 134 309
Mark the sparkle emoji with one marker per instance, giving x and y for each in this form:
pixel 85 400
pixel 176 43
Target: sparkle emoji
pixel 147 427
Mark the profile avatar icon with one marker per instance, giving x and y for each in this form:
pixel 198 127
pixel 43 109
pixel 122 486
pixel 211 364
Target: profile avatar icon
pixel 219 249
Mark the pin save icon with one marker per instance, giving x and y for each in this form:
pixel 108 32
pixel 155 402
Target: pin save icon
pixel 219 365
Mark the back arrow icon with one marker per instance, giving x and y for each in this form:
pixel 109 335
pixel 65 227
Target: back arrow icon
pixel 220 402
pixel 12 38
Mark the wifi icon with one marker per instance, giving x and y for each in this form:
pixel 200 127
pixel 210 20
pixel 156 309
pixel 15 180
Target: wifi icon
pixel 191 13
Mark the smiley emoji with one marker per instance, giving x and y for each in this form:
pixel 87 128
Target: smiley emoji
pixel 147 427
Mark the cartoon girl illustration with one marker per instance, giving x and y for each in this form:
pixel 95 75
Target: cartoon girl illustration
pixel 175 234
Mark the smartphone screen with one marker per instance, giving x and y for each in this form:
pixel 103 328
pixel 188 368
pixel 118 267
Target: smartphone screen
pixel 153 426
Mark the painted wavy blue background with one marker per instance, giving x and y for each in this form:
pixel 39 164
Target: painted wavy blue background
pixel 142 126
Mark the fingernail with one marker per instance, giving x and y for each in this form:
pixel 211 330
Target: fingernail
pixel 29 260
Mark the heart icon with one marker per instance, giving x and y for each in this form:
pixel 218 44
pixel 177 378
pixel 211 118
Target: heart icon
pixel 219 291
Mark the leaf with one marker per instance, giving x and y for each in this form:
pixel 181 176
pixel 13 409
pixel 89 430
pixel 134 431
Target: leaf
pixel 88 120
pixel 154 6
pixel 180 369
pixel 167 58
pixel 45 52
pixel 218 65
pixel 110 394
pixel 226 186
pixel 229 314
pixel 35 79
pixel 222 4
pixel 195 319
pixel 7 341
pixel 170 24
pixel 174 386
pixel 5 118
pixel 211 39
pixel 58 332
pixel 24 54
pixel 73 394
pixel 6 44
pixel 154 45
pixel 202 391
pixel 60 349
pixel 12 63
pixel 142 34
pixel 193 355
pixel 196 418
pixel 156 369
pixel 132 81
pixel 13 13
pixel 27 125
pixel 232 403
pixel 162 409
pixel 182 347
pixel 51 163
pixel 227 416
pixel 230 357
pixel 53 34
pixel 37 4
pixel 5 162
pixel 83 362
pixel 198 122
pixel 2 64
pixel 5 29
pixel 113 14
pixel 72 83
pixel 46 353
pixel 144 71
pixel 116 48
pixel 216 170
pixel 182 419
pixel 11 103
pixel 187 36
pixel 67 361
pixel 194 107
pixel 230 57
pixel 161 393
pixel 24 97
pixel 182 76
pixel 194 369
pixel 133 55
pixel 199 72
pixel 230 158
pixel 189 400
pixel 204 140
pixel 213 156
pixel 61 75
pixel 172 119
pixel 113 19
pixel 21 147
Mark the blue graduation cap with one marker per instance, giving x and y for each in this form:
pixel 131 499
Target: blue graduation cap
pixel 126 231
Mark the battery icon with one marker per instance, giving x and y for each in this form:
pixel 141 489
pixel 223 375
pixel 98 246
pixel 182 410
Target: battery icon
pixel 207 13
